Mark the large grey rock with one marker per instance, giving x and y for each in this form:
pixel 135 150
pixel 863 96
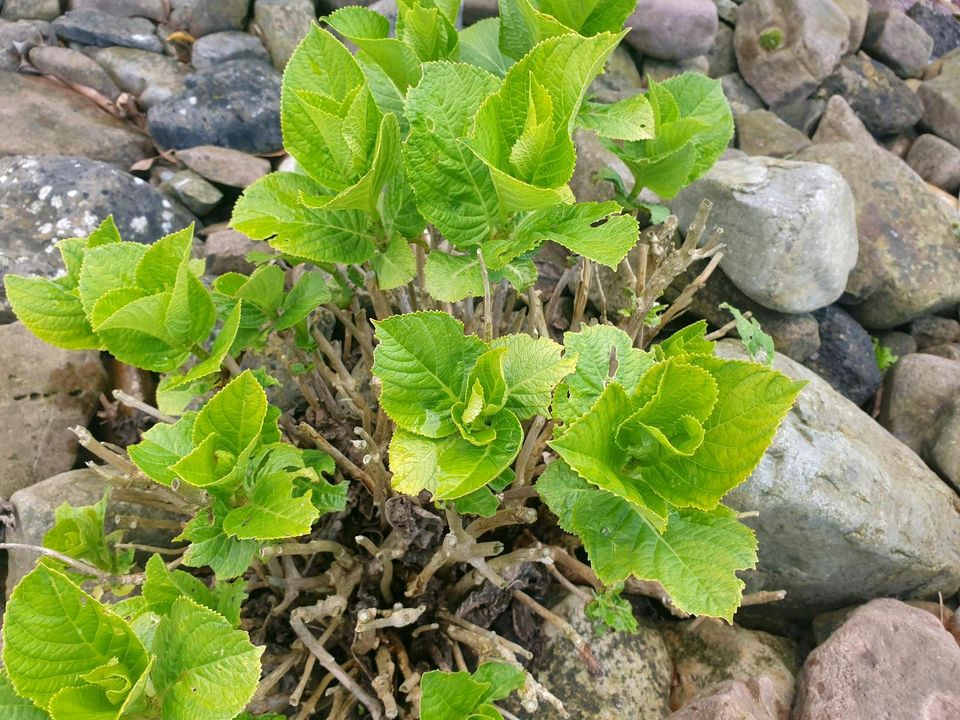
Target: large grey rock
pixel 918 392
pixel 73 67
pixel 856 12
pixel 845 358
pixel 283 24
pixel 742 97
pixel 153 9
pixel 211 50
pixel 17 38
pixel 150 76
pixel 884 102
pixel 673 29
pixel 909 255
pixel 48 198
pixel 44 391
pixel 888 660
pixel 734 700
pixel 939 22
pixel 708 654
pixel 234 105
pixel 760 132
pixel 941 103
pixel 936 161
pixel 898 42
pixel 945 453
pixel 841 124
pixel 202 17
pixel 30 9
pixel 846 511
pixel 789 229
pixel 786 48
pixel 636 671
pixel 95 27
pixel 41 117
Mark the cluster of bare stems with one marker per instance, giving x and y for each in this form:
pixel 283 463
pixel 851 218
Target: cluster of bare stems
pixel 343 650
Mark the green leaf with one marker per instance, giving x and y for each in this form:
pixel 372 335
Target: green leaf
pixel 522 26
pixel 271 512
pixel 191 314
pixel 227 556
pixel 480 46
pixel 204 668
pixel 453 187
pixel 54 634
pixel 446 696
pixel 79 532
pixel 395 265
pixel 690 340
pixel 609 610
pixel 307 294
pixel 158 268
pixel 13 707
pixel 264 289
pixel 427 30
pixel 136 334
pixel 628 119
pixel 51 313
pixel 422 360
pixel 480 502
pixel 218 351
pixel 451 278
pixel 368 30
pixel 597 231
pixel 107 268
pixel 235 414
pixel 163 587
pixel 532 368
pixel 271 209
pixel 757 343
pixel 589 17
pixel 561 488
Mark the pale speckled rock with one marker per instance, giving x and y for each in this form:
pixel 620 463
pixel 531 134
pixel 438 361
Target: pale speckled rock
pixel 936 161
pixel 42 117
pixel 888 661
pixel 224 166
pixel 30 9
pixel 733 700
pixel 918 392
pixel 856 12
pixel 789 229
pixel 722 58
pixel 193 191
pixel 742 97
pixel 74 67
pixel 283 23
pixel 945 454
pixel 44 391
pixel 909 255
pixel 48 198
pixel 941 103
pixel 150 76
pixel 841 124
pixel 710 653
pixel 815 34
pixel 636 679
pixel 216 48
pixel 846 511
pixel 153 9
pixel 202 17
pixel 17 38
pixel 760 132
pixel 932 330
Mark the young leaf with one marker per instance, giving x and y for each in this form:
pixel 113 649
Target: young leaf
pixel 460 695
pixel 191 314
pixel 264 289
pixel 453 187
pixel 758 344
pixel 422 361
pixel 272 512
pixel 609 610
pixel 204 668
pixel 235 414
pixel 532 368
pixel 107 268
pixel 427 30
pixel 690 340
pixel 79 532
pixel 395 265
pixel 158 268
pixel 308 293
pixel 51 313
pixel 480 46
pixel 210 545
pixel 628 119
pixel 54 634
pixel 136 334
pixel 163 587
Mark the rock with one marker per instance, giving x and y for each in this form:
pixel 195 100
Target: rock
pixel 283 23
pixel 660 70
pixel 856 12
pixel 203 17
pixel 846 358
pixel 939 23
pixel 224 166
pixel 909 257
pixel 742 97
pixel 917 392
pixel 888 660
pixel 593 157
pixel 899 343
pixel 234 105
pixel 734 700
pixel 636 679
pixel 841 124
pixel 786 48
pixel 149 76
pixel 722 58
pixel 898 42
pixel 728 10
pixel 847 512
pixel 193 191
pixel 73 67
pixel 789 229
pixel 473 10
pixel 620 78
pixel 710 653
pixel 760 132
pixel 673 29
pixel 48 198
pixel 945 453
pixel 30 9
pixel 941 103
pixel 44 391
pixel 17 38
pixel 884 102
pixel 95 27
pixel 802 115
pixel 34 509
pixel 951 351
pixel 153 9
pixel 936 161
pixel 226 251
pixel 41 117
pixel 221 47
pixel 934 330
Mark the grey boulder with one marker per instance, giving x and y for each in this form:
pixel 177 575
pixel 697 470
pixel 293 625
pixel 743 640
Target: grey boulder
pixel 95 27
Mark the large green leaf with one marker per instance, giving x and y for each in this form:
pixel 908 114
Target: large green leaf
pixel 271 209
pixel 51 313
pixel 106 268
pixel 136 334
pixel 532 368
pixel 447 695
pixel 191 313
pixel 54 634
pixel 369 31
pixel 204 668
pixel 163 587
pixel 272 511
pixel 158 268
pixel 480 46
pixel 453 187
pixel 235 414
pixel 451 278
pixel 422 360
pixel 13 707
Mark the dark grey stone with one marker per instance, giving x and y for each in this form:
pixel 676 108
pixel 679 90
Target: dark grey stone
pixel 216 48
pixel 939 23
pixel 846 358
pixel 884 102
pixel 95 27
